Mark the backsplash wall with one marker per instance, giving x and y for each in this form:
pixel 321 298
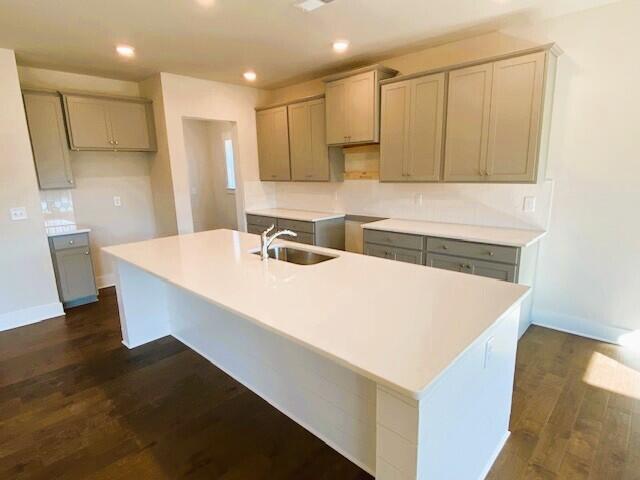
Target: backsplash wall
pixel 476 204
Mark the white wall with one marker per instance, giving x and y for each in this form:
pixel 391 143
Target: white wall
pixel 99 176
pixel 587 278
pixel 212 204
pixel 185 97
pixel 27 283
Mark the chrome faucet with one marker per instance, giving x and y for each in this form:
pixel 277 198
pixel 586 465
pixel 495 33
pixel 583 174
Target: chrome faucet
pixel 266 240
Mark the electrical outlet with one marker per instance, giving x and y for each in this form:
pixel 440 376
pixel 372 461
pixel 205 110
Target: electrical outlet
pixel 488 352
pixel 529 204
pixel 18 213
pixel 417 199
pixel 117 201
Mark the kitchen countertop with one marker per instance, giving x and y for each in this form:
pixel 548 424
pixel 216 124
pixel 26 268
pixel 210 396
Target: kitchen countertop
pixel 471 233
pixel 303 215
pixel 398 324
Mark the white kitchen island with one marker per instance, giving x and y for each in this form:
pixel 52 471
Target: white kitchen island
pixel 405 370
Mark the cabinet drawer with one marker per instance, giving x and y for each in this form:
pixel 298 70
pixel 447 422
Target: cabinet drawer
pixel 481 251
pixel 399 254
pixel 261 221
pixel 71 241
pixel 257 229
pixel 307 238
pixel 295 225
pixel 498 271
pixel 401 240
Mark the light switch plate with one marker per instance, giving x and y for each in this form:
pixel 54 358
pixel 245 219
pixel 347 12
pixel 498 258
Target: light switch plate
pixel 417 199
pixel 488 352
pixel 18 213
pixel 529 204
pixel 117 201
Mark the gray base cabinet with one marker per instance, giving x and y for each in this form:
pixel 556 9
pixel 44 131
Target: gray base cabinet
pixel 493 261
pixel 324 233
pixel 73 268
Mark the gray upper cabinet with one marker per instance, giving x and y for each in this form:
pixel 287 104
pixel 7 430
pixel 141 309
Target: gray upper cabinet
pixel 468 110
pixel 494 120
pixel 353 105
pixel 273 144
pixel 412 129
pixel 514 126
pixel 307 145
pixel 48 139
pixel 104 123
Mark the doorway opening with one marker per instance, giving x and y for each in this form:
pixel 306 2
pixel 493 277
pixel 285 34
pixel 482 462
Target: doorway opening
pixel 210 146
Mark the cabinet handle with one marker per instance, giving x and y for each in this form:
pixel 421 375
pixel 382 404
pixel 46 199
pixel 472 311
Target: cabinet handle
pixel 444 247
pixel 116 142
pixel 70 181
pixel 490 253
pixel 70 242
pixel 110 142
pixel 87 252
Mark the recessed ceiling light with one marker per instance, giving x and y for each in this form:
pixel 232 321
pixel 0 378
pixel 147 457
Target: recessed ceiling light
pixel 250 75
pixel 125 50
pixel 340 45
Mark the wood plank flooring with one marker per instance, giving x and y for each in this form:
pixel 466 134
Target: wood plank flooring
pixel 76 404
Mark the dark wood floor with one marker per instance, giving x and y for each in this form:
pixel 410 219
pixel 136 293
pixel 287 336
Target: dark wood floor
pixel 76 404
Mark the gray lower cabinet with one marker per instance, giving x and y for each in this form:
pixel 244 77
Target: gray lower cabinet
pixel 493 261
pixel 74 269
pixel 499 271
pixel 324 233
pixel 394 253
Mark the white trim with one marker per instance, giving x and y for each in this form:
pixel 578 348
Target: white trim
pixel 494 456
pixel 579 326
pixel 274 404
pixel 27 316
pixel 106 280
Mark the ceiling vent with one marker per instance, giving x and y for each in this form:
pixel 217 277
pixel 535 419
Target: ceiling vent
pixel 311 5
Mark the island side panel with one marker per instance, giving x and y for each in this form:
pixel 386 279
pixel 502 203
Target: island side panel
pixel 332 402
pixel 142 303
pixel 457 429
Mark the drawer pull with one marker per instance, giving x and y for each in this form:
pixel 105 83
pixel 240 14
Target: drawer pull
pixel 490 253
pixel 86 253
pixel 444 247
pixel 70 242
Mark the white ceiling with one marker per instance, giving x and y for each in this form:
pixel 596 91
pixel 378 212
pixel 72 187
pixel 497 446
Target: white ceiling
pixel 220 39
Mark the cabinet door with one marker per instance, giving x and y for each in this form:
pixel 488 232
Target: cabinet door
pixel 394 131
pixel 446 262
pixel 129 125
pixel 88 122
pixel 336 121
pixel 514 127
pixel 48 140
pixel 361 108
pixel 273 144
pixel 408 256
pixel 307 140
pixel 469 105
pixel 497 271
pixel 75 273
pixel 378 251
pixel 424 162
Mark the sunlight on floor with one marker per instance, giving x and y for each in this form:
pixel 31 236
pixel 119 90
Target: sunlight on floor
pixel 610 374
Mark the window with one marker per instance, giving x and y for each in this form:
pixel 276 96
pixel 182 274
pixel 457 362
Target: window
pixel 231 169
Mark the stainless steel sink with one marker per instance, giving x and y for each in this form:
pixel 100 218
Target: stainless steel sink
pixel 294 255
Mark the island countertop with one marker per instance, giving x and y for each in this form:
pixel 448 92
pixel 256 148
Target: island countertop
pixel 511 237
pixel 398 324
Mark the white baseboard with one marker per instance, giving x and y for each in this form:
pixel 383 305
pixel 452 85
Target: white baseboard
pixel 107 280
pixel 27 316
pixel 579 326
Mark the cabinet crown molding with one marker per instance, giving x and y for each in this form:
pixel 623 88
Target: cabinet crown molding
pixel 553 48
pixel 291 102
pixel 377 67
